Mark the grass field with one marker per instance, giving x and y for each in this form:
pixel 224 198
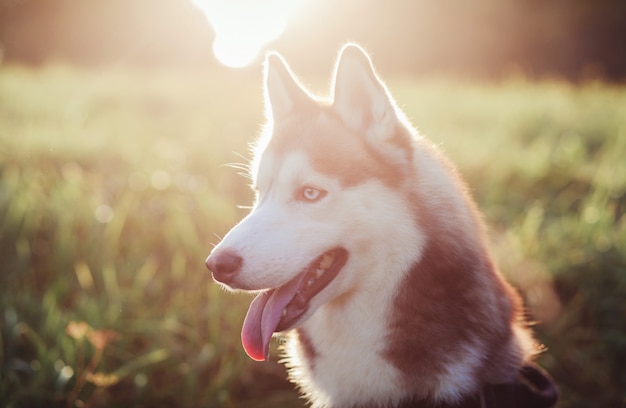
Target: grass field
pixel 113 187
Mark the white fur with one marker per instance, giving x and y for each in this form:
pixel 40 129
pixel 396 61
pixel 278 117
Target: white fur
pixel 271 236
pixel 351 337
pixel 281 236
pixel 460 378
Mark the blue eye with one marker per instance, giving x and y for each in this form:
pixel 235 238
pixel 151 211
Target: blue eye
pixel 310 194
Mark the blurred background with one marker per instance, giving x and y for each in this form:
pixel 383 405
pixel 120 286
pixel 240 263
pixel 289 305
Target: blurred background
pixel 119 118
pixel 573 39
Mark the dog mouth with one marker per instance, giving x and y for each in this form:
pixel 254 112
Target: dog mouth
pixel 279 309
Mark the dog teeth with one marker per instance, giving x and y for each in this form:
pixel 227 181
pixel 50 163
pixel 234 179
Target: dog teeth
pixel 327 260
pixel 284 313
pixel 299 300
pixel 310 282
pixel 319 272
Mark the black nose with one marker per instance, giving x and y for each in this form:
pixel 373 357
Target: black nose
pixel 224 265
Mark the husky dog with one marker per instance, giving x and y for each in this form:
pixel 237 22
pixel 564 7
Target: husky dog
pixel 366 249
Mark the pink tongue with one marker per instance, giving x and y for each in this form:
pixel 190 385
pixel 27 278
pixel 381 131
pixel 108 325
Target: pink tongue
pixel 263 317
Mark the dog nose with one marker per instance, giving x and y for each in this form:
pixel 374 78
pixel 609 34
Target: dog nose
pixel 224 265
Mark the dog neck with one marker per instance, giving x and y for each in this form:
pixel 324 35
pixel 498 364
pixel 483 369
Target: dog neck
pixel 533 388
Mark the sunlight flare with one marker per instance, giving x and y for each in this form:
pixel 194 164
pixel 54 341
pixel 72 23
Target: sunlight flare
pixel 243 27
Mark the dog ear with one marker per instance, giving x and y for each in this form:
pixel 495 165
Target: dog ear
pixel 365 105
pixel 282 90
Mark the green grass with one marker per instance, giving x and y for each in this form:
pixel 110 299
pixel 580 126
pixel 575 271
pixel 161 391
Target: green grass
pixel 112 189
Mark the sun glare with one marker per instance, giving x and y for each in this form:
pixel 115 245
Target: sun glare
pixel 243 27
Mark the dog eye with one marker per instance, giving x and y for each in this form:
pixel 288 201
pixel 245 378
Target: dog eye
pixel 310 194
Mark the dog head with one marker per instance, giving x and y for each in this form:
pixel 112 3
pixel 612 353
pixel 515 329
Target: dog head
pixel 324 173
